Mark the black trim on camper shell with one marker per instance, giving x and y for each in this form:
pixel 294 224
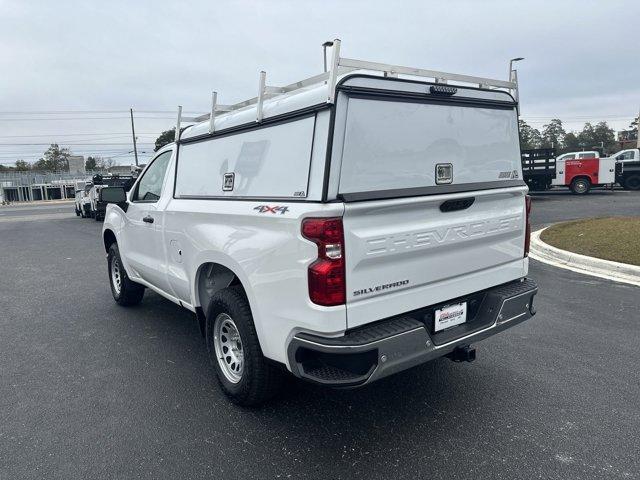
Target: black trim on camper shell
pixel 425 98
pixel 432 190
pixel 267 122
pixel 341 85
pixel 327 158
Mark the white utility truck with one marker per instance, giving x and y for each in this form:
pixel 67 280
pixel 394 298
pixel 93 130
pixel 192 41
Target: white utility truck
pixel 582 170
pixel 342 228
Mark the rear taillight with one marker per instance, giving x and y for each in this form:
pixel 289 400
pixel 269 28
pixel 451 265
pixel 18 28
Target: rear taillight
pixel 326 274
pixel 527 232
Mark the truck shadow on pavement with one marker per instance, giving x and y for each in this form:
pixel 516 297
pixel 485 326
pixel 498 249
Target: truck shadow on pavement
pixel 414 412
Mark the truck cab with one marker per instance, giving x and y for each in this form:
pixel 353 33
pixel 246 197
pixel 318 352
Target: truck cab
pixel 578 155
pixel 628 168
pixel 345 228
pixel 630 155
pixel 97 207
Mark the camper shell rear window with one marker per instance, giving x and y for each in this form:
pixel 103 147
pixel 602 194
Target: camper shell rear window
pixel 405 143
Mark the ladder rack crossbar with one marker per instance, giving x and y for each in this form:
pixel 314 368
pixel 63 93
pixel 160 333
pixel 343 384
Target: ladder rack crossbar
pixel 338 66
pixel 419 72
pixel 206 116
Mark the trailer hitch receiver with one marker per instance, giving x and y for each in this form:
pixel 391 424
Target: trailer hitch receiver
pixel 463 353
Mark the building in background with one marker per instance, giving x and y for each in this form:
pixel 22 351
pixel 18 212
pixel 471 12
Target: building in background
pixel 76 164
pixel 32 186
pixel 124 169
pixel 627 139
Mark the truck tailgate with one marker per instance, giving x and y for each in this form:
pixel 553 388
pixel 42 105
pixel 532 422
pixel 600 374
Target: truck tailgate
pixel 408 253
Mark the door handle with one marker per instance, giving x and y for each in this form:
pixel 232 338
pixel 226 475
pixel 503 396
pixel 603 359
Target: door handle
pixel 148 219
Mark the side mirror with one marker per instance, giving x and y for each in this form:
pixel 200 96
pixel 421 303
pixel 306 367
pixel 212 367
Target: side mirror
pixel 113 195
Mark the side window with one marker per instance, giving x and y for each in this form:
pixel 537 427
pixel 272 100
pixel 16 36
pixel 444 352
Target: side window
pixel 625 156
pixel 268 162
pixel 150 185
pixel 569 157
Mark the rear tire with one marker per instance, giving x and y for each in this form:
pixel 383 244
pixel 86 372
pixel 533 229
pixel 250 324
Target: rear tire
pixel 580 186
pixel 632 182
pixel 125 291
pixel 244 374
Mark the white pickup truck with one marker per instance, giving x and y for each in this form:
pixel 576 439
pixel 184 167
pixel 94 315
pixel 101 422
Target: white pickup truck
pixel 343 228
pixel 82 199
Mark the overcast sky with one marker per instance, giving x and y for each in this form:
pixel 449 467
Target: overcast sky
pixel 92 58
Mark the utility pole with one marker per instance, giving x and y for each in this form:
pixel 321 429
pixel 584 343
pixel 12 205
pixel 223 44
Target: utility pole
pixel 133 132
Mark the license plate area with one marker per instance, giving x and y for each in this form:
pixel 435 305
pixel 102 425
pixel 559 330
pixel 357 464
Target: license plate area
pixel 450 316
pixel 474 322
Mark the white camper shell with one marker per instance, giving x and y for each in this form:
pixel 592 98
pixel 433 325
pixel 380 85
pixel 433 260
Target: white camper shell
pixel 350 226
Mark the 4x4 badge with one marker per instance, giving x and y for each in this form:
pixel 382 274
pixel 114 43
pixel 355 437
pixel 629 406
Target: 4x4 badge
pixel 272 209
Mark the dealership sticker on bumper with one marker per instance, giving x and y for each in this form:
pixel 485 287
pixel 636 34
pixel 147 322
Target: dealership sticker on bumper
pixel 450 316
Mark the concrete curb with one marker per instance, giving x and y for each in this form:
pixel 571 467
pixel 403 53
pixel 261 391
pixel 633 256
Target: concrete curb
pixel 596 267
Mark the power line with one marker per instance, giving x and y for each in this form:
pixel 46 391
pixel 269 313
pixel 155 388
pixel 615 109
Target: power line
pixel 40 154
pixel 72 143
pixel 80 118
pixel 78 134
pixel 69 112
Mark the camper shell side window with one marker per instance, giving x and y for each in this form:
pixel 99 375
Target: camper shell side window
pixel 269 161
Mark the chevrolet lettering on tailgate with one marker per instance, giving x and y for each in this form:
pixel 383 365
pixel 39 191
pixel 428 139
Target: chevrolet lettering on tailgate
pixel 439 236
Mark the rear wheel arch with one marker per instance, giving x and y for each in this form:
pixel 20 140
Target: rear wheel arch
pixel 210 278
pixel 109 238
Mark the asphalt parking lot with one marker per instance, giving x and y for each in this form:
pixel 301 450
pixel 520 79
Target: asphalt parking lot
pixel 89 389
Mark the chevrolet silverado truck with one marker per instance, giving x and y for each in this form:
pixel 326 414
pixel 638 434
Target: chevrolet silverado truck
pixel 341 229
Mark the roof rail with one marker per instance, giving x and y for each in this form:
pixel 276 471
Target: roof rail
pixel 340 65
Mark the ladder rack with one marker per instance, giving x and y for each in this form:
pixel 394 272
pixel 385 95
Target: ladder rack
pixel 338 66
